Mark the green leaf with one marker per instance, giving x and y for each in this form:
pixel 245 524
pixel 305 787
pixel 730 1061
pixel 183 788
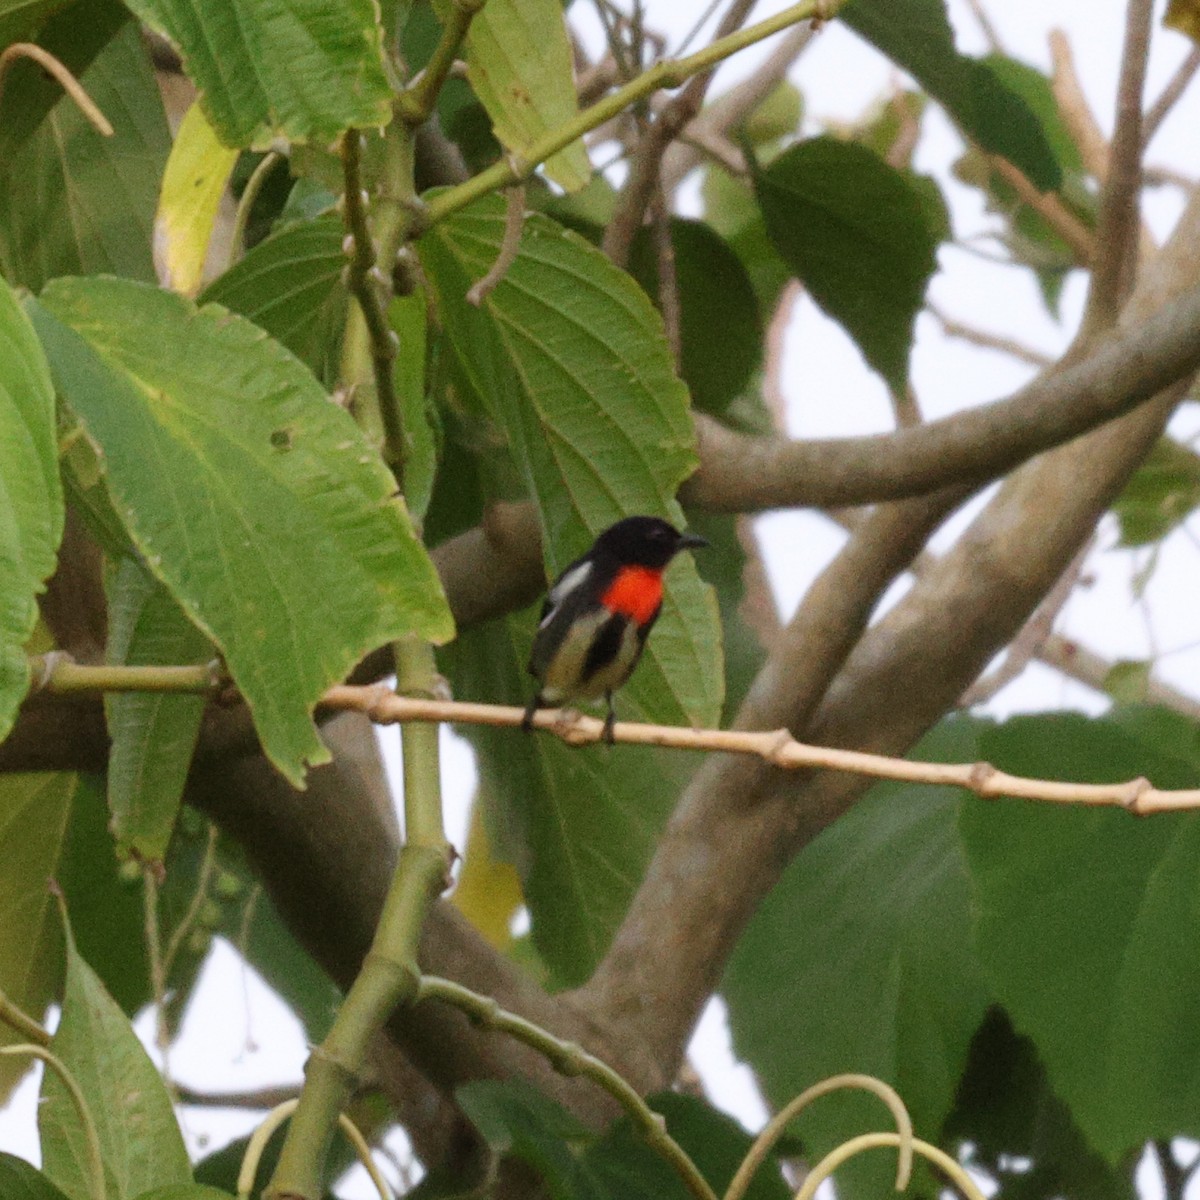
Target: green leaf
pixel 721 332
pixel 140 1142
pixel 251 497
pixel 1127 680
pixel 630 1170
pixel 519 65
pixel 1087 922
pixel 1160 495
pixel 33 822
pixel 19 19
pixel 31 500
pixel 290 284
pixel 21 1181
pixel 855 233
pixel 516 1120
pixel 153 734
pixel 579 825
pixel 302 70
pixel 860 959
pixel 568 357
pixel 72 201
pixel 1009 1125
pixel 916 35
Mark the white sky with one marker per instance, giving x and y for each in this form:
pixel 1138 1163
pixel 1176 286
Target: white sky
pixel 238 1035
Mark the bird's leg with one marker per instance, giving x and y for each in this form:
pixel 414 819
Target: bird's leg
pixel 534 704
pixel 609 736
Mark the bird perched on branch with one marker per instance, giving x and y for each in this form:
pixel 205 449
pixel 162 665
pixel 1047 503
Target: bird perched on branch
pixel 599 612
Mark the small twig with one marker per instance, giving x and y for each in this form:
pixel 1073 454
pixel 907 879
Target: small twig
pixel 1170 96
pixel 261 1098
pixel 415 104
pixel 158 977
pixel 98 1186
pixel 991 341
pixel 668 282
pixel 773 1131
pixel 571 1059
pixel 514 223
pixel 869 1141
pixel 1050 208
pixel 362 274
pixel 777 747
pixel 66 81
pixel 1076 112
pixel 250 194
pixel 16 1018
pixel 991 36
pixel 272 1121
pixel 188 922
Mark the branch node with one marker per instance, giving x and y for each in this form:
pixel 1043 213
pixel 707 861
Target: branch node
pixel 978 778
pixel 776 750
pixel 1131 801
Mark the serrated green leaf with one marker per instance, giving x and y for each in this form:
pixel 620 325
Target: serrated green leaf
pixel 21 1181
pixel 916 35
pixel 519 65
pixel 33 822
pixel 31 500
pixel 1087 924
pixel 569 358
pixel 303 70
pixel 856 235
pixel 72 201
pixel 874 919
pixel 579 825
pixel 291 285
pixel 140 1142
pixel 253 498
pixel 153 734
pixel 721 333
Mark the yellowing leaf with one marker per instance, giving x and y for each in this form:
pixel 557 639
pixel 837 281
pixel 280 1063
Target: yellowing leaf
pixel 1184 15
pixel 519 65
pixel 197 174
pixel 489 890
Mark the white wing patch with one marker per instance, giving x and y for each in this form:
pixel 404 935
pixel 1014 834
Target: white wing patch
pixel 576 577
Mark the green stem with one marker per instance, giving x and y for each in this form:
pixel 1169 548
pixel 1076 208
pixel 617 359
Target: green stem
pixel 416 102
pixel 250 193
pixel 570 1059
pixel 99 1186
pixel 669 74
pixel 18 1019
pixel 58 674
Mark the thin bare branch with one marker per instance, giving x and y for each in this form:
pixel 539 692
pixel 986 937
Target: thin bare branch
pixel 1171 94
pixel 510 245
pixel 668 282
pixel 1115 264
pixel 1048 206
pixel 776 747
pixel 1075 110
pixel 990 341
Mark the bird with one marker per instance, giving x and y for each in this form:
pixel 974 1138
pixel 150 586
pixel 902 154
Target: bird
pixel 599 612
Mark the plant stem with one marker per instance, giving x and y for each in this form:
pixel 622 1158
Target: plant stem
pixel 416 102
pixel 58 674
pixel 668 74
pixel 570 1059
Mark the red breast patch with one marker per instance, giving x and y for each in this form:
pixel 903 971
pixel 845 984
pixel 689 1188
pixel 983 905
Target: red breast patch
pixel 635 593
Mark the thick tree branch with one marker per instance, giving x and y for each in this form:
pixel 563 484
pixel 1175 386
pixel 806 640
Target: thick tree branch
pixel 741 473
pixel 905 673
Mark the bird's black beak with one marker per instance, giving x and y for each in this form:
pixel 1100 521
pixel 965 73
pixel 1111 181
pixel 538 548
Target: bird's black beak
pixel 691 541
